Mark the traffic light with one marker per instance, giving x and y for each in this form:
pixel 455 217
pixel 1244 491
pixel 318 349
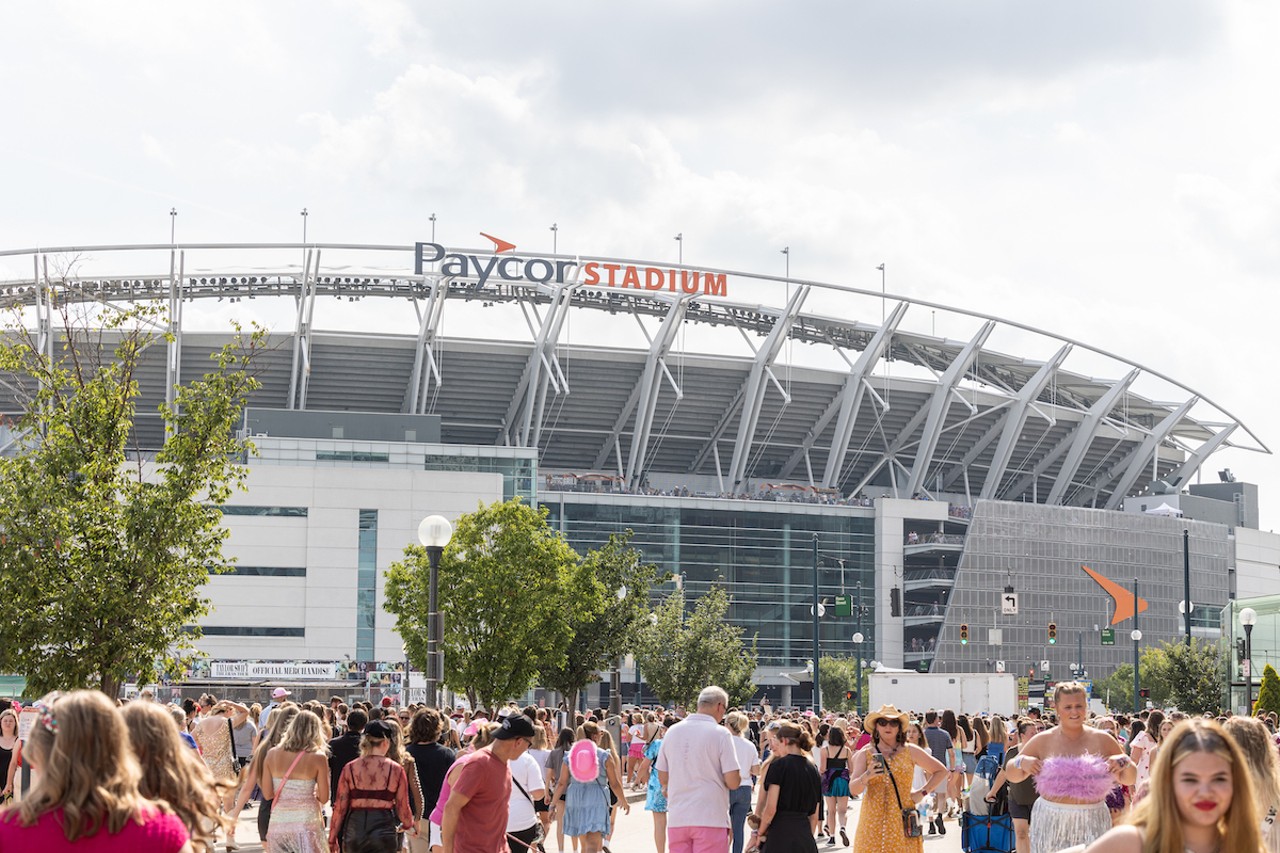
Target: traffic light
pixel 1240 650
pixel 1053 633
pixel 964 633
pixel 848 696
pixel 1144 692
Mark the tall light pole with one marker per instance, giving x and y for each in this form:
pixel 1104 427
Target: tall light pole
pixel 858 639
pixel 680 239
pixel 1136 635
pixel 433 227
pixel 817 689
pixel 615 680
pixel 1186 581
pixel 1248 618
pixel 883 293
pixel 555 233
pixel 434 533
pixel 173 224
pixel 304 226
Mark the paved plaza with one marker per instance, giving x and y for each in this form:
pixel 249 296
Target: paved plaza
pixel 634 833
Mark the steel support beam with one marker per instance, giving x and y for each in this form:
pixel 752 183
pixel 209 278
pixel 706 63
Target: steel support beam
pixel 1084 434
pixel 850 398
pixel 891 453
pixel 522 424
pixel 300 371
pixel 1136 462
pixel 650 383
pixel 754 388
pixel 1017 419
pixel 941 403
pixel 1195 460
pixel 424 358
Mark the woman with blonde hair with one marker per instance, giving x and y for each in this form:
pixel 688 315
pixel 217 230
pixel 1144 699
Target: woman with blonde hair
pixel 1199 800
pixel 295 778
pixel 397 753
pixel 10 751
pixel 279 719
pixel 586 804
pixel 1254 740
pixel 86 796
pixel 173 773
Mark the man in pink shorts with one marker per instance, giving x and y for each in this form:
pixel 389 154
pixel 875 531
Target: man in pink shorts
pixel 698 767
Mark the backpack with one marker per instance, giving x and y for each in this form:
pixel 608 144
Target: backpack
pixel 989 764
pixel 584 765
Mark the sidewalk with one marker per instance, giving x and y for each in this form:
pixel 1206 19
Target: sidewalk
pixel 634 833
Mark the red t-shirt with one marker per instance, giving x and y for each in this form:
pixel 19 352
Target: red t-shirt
pixel 158 833
pixel 486 783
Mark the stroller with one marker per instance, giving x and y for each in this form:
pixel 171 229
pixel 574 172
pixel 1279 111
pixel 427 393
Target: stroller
pixel 986 828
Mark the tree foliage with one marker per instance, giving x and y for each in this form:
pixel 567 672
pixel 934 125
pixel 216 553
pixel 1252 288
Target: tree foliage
pixel 104 554
pixel 1175 675
pixel 508 585
pixel 680 653
pixel 1269 693
pixel 604 627
pixel 838 676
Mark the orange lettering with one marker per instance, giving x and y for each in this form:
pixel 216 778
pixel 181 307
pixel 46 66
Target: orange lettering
pixel 713 285
pixel 652 278
pixel 612 268
pixel 593 277
pixel 631 278
pixel 688 281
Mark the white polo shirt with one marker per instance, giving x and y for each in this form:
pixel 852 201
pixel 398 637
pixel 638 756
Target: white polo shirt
pixel 520 813
pixel 696 753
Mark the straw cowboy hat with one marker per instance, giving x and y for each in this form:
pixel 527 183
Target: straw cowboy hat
pixel 886 712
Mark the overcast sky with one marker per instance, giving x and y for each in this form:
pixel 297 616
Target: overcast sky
pixel 1106 170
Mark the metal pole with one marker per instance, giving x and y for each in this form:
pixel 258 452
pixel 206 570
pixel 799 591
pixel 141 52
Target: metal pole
pixel 1186 582
pixel 1136 679
pixel 857 696
pixel 434 636
pixel 1248 678
pixel 817 690
pixel 1079 655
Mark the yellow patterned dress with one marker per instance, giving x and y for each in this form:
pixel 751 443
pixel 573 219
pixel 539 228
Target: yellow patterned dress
pixel 880 820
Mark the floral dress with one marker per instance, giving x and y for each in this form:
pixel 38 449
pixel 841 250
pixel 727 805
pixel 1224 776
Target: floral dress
pixel 880 819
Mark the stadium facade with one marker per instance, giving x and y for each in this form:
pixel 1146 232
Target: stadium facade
pixel 945 485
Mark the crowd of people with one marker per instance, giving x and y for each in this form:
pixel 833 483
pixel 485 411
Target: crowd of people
pixel 144 776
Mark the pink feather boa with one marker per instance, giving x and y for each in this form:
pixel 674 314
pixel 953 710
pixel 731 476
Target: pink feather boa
pixel 1083 778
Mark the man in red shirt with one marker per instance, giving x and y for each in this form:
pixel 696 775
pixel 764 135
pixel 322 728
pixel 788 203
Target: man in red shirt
pixel 475 816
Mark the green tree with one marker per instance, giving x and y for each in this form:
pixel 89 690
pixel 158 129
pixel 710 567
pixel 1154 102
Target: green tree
pixel 105 554
pixel 605 628
pixel 508 584
pixel 1116 690
pixel 838 676
pixel 680 653
pixel 1269 693
pixel 1189 678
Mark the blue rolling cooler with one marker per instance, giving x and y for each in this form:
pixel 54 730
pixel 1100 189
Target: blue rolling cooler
pixel 986 833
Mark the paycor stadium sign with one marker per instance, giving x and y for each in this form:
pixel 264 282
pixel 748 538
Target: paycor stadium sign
pixel 504 265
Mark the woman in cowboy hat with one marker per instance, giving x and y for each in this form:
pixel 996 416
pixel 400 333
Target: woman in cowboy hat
pixel 884 769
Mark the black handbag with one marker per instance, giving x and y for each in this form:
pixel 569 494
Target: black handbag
pixel 910 817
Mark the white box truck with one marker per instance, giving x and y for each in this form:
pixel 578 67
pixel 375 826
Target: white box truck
pixel 963 692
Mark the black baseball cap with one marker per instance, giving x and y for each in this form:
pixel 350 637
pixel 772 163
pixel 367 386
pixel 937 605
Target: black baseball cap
pixel 514 726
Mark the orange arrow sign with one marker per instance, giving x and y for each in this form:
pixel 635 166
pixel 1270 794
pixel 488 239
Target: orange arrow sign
pixel 1122 597
pixel 499 245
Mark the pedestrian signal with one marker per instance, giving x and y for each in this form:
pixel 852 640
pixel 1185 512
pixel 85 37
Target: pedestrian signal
pixel 1053 633
pixel 848 695
pixel 964 634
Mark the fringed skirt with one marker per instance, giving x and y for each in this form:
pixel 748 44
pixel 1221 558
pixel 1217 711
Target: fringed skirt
pixel 1058 825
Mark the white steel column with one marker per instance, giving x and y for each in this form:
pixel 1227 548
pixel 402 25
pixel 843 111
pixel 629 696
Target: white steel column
pixel 941 403
pixel 1136 462
pixel 754 387
pixel 650 382
pixel 1085 433
pixel 851 395
pixel 1202 453
pixel 1017 419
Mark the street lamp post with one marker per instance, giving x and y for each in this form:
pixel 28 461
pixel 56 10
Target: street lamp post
pixel 817 689
pixel 1137 638
pixel 1248 618
pixel 857 690
pixel 434 533
pixel 1186 581
pixel 615 680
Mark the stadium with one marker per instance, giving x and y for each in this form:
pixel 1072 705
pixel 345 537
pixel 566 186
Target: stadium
pixel 763 433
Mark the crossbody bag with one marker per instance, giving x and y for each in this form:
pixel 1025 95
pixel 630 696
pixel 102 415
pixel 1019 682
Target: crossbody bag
pixel 910 817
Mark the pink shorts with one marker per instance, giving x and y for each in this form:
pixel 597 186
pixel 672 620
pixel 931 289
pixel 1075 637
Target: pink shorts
pixel 697 839
pixel 636 750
